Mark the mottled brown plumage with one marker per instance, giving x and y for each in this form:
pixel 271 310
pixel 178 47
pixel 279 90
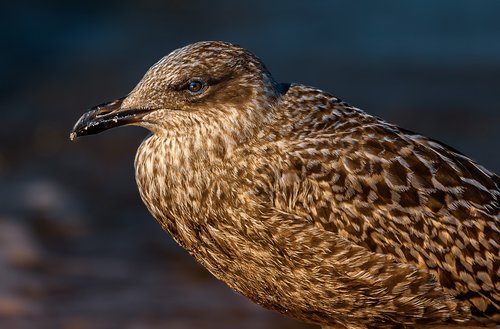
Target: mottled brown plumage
pixel 305 204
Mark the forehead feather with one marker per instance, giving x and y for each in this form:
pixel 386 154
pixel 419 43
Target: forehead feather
pixel 202 57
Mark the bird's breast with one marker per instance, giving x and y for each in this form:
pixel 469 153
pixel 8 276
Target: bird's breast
pixel 170 187
pixel 198 206
pixel 190 197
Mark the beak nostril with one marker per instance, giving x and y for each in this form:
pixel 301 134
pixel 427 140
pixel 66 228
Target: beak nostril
pixel 106 108
pixel 102 111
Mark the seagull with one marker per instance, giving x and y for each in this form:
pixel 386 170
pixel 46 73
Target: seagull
pixel 307 205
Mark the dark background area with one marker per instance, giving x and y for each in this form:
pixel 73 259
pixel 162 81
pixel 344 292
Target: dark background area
pixel 77 247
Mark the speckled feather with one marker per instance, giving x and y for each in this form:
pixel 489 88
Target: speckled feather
pixel 309 206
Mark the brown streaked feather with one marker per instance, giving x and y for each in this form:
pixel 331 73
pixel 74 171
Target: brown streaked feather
pixel 399 194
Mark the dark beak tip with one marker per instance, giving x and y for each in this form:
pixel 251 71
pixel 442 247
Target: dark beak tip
pixel 82 124
pixel 103 117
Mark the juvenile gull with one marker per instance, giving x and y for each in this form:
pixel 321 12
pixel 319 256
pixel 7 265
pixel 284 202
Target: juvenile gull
pixel 305 204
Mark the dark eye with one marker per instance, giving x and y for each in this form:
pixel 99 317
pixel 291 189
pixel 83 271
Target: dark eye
pixel 196 86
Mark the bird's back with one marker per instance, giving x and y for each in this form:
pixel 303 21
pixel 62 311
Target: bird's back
pixel 393 192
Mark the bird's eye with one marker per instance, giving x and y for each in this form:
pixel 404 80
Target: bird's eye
pixel 195 86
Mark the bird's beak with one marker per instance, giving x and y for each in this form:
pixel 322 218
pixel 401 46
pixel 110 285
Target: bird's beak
pixel 105 116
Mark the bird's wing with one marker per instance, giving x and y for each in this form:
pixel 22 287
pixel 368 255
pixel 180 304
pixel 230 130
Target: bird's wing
pixel 395 193
pixel 337 276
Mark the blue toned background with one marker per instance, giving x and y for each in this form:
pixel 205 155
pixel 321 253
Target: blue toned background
pixel 77 247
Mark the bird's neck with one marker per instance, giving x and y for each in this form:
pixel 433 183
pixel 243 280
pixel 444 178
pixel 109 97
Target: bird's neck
pixel 174 175
pixel 178 175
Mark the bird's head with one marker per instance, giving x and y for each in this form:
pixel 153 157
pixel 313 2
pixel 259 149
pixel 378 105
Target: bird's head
pixel 201 83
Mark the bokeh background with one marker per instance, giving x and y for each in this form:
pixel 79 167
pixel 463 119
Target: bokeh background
pixel 77 247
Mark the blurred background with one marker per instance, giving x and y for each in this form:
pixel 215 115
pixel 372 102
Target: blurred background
pixel 77 247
